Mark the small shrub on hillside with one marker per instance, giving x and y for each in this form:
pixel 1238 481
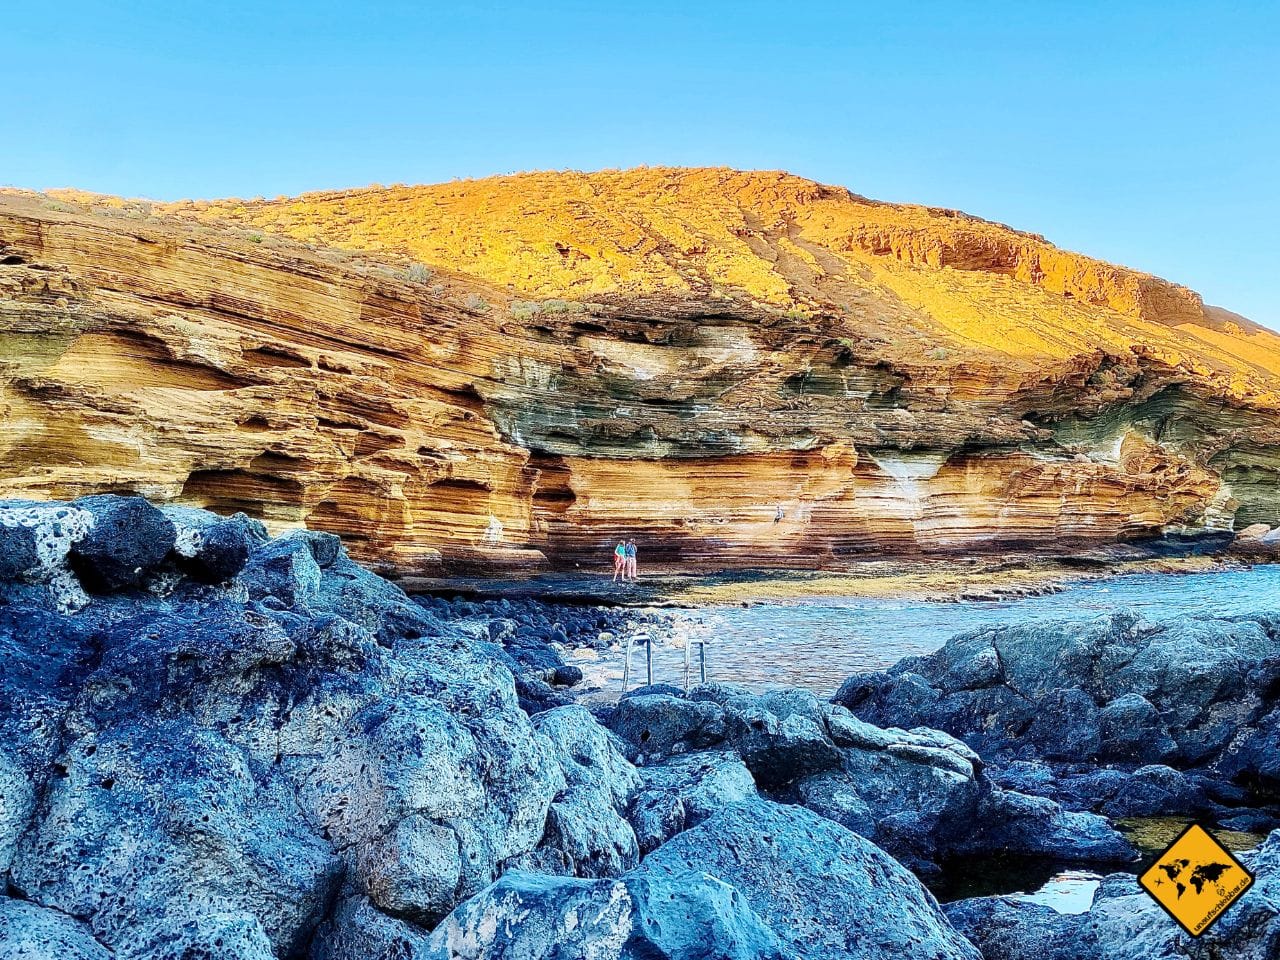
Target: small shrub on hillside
pixel 418 273
pixel 562 306
pixel 477 303
pixel 524 309
pixel 527 309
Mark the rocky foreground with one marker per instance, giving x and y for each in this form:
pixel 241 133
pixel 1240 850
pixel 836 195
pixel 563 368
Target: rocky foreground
pixel 217 744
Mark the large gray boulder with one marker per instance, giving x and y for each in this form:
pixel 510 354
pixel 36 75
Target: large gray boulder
pixel 32 932
pixel 533 915
pixel 213 766
pixel 156 824
pixel 587 833
pixel 1193 693
pixel 756 880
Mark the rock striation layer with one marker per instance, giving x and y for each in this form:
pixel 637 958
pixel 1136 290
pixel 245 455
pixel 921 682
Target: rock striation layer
pixel 735 367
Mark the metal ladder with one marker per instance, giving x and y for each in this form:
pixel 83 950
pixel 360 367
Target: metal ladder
pixel 647 640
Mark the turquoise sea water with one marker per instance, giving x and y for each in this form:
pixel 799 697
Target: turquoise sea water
pixel 817 643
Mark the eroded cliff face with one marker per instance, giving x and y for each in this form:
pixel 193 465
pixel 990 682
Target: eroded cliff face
pixel 739 346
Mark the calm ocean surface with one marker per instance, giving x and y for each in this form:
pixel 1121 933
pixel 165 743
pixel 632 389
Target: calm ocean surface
pixel 817 643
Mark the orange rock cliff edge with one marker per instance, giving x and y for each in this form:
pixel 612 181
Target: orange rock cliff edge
pixel 736 368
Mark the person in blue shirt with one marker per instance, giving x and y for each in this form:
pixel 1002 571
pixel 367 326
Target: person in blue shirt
pixel 631 559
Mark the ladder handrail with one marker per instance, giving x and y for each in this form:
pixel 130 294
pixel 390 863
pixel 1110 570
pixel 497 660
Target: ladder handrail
pixel 647 640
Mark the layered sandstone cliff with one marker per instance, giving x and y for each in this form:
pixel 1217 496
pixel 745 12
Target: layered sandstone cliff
pixel 674 354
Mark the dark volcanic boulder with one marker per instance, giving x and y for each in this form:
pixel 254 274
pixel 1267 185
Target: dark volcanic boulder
pixel 284 569
pixel 178 660
pixel 780 751
pixel 684 790
pixel 31 932
pixel 128 539
pixel 757 880
pixel 1130 729
pixel 18 552
pixel 221 769
pixel 1253 755
pixel 655 817
pixel 654 726
pixel 1125 924
pixel 1195 693
pixel 1028 826
pixel 1005 928
pixel 211 548
pixel 1064 726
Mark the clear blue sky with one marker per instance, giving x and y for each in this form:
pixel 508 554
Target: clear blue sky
pixel 1144 133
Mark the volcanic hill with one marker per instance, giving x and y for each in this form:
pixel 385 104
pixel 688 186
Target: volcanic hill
pixel 736 368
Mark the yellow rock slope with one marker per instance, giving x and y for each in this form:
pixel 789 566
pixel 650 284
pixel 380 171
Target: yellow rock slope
pixel 739 368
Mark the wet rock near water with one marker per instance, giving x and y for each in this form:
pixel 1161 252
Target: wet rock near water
pixel 535 636
pixel 920 794
pixel 1123 923
pixel 1117 715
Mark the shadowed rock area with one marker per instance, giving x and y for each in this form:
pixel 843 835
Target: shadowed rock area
pixel 1117 715
pixel 1125 924
pixel 218 744
pixel 284 756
